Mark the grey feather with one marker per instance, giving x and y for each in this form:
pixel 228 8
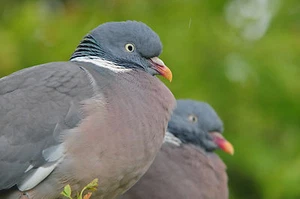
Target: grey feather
pixel 53 153
pixel 36 176
pixel 74 115
pixel 25 98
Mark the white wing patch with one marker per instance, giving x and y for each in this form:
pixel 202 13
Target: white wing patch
pixel 102 63
pixel 170 138
pixel 36 177
pixel 53 155
pixel 29 168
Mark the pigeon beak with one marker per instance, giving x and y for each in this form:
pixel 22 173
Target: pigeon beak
pixel 159 66
pixel 222 143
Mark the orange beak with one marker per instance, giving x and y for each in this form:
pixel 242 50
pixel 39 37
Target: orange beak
pixel 161 68
pixel 222 142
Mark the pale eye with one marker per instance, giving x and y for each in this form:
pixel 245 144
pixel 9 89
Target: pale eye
pixel 193 118
pixel 129 47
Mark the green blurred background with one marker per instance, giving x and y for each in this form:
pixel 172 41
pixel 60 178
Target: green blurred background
pixel 241 56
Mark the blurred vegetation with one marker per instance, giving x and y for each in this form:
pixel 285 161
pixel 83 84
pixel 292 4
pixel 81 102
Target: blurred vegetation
pixel 241 56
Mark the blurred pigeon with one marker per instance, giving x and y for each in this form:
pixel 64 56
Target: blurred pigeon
pixel 101 115
pixel 186 166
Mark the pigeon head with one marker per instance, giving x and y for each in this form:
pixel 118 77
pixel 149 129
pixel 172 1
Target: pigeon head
pixel 128 44
pixel 197 123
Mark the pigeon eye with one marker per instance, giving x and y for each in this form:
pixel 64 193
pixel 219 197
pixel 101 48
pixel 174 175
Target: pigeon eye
pixel 193 118
pixel 129 47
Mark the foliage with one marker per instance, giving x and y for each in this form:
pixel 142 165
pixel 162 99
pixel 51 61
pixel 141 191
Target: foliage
pixel 91 187
pixel 252 81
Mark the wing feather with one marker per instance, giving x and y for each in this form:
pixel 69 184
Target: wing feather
pixel 36 105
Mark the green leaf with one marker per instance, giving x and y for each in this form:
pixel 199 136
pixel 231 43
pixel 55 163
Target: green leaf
pixel 92 186
pixel 67 191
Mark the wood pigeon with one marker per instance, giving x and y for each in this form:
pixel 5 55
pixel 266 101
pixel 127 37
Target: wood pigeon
pixel 186 166
pixel 103 114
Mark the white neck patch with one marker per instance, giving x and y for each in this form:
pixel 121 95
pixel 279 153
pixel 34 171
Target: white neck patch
pixel 170 138
pixel 102 63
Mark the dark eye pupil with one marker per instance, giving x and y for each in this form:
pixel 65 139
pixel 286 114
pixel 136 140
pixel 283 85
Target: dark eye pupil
pixel 130 48
pixel 193 118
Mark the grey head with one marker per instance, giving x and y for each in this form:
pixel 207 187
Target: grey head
pixel 197 123
pixel 129 44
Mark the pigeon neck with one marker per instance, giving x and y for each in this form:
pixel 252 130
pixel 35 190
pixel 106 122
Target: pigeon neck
pixel 102 63
pixel 87 47
pixel 170 138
